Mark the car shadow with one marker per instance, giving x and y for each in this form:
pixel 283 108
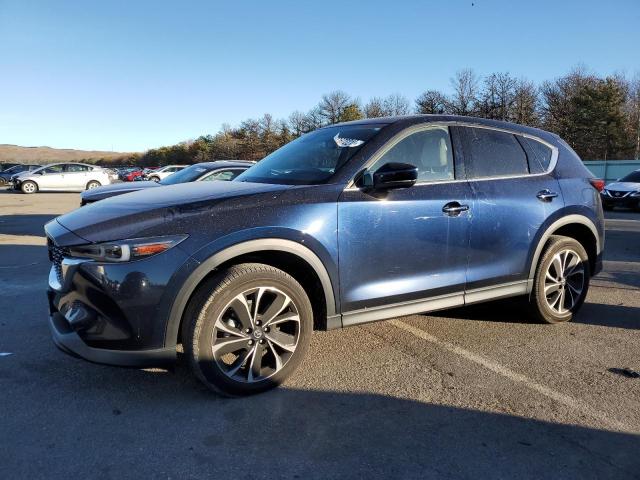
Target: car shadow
pixel 289 433
pixel 515 311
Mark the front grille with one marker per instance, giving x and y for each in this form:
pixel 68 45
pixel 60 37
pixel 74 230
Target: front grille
pixel 616 194
pixel 56 254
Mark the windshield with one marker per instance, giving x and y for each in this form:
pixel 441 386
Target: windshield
pixel 185 175
pixel 632 177
pixel 14 169
pixel 313 158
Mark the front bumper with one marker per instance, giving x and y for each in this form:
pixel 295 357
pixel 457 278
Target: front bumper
pixel 113 313
pixel 625 200
pixel 67 340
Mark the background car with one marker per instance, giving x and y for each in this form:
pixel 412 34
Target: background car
pixel 207 171
pixel 5 175
pixel 132 174
pixel 164 172
pixel 5 165
pixel 61 177
pixel 625 192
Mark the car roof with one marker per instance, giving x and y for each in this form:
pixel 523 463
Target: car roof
pixel 68 163
pixel 410 120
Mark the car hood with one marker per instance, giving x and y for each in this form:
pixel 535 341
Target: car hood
pixel 107 191
pixel 145 211
pixel 623 186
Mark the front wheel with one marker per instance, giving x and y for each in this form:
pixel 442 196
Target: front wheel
pixel 93 184
pixel 154 179
pixel 561 282
pixel 247 329
pixel 29 187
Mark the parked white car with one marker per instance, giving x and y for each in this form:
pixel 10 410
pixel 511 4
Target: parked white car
pixel 164 172
pixel 74 177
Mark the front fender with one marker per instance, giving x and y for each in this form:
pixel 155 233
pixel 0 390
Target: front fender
pixel 205 260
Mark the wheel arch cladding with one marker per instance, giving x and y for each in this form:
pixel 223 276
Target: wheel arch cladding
pixel 578 227
pixel 295 259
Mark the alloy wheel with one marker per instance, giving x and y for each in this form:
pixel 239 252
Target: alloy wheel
pixel 29 187
pixel 564 281
pixel 256 334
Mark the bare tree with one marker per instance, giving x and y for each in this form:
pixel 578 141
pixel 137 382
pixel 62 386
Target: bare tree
pixel 464 99
pixel 498 96
pixel 332 106
pixel 432 101
pixel 297 123
pixel 396 104
pixel 374 108
pixel 525 104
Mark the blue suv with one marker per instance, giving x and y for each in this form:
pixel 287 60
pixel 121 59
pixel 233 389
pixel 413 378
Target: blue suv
pixel 349 224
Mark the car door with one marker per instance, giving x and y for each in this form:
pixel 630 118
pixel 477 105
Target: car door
pixel 75 176
pixel 51 177
pixel 514 193
pixel 405 250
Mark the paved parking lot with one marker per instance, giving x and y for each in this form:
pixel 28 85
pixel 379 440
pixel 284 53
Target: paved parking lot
pixel 476 392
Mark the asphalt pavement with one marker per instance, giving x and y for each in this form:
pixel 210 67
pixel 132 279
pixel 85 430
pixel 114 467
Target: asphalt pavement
pixel 470 393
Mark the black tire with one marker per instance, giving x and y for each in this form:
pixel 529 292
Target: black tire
pixel 154 179
pixel 538 301
pixel 28 187
pixel 93 184
pixel 211 302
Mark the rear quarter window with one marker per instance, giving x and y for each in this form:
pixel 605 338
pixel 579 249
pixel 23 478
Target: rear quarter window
pixel 491 153
pixel 538 154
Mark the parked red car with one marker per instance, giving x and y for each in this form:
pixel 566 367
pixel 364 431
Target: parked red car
pixel 131 176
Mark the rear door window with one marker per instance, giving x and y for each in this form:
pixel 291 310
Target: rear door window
pixel 76 168
pixel 491 153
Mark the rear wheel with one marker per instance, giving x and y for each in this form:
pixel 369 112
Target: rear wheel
pixel 561 282
pixel 93 184
pixel 247 329
pixel 29 187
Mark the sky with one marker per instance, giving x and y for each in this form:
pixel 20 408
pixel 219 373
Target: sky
pixel 133 75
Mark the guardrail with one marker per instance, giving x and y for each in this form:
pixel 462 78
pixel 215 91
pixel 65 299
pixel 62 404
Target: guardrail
pixel 611 170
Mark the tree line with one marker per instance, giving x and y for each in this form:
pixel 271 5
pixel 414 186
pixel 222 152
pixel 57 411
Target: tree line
pixel 598 116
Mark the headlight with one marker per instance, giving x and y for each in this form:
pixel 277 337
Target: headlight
pixel 126 250
pixel 635 194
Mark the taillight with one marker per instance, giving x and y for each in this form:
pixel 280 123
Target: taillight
pixel 597 183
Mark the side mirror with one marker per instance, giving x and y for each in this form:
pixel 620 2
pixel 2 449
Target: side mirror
pixel 395 175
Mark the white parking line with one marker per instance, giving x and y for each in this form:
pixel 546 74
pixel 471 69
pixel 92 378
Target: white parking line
pixel 565 400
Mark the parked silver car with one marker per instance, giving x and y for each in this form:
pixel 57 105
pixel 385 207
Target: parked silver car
pixel 224 170
pixel 74 177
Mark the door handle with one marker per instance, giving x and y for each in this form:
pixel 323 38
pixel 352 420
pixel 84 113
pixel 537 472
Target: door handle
pixel 546 195
pixel 453 209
